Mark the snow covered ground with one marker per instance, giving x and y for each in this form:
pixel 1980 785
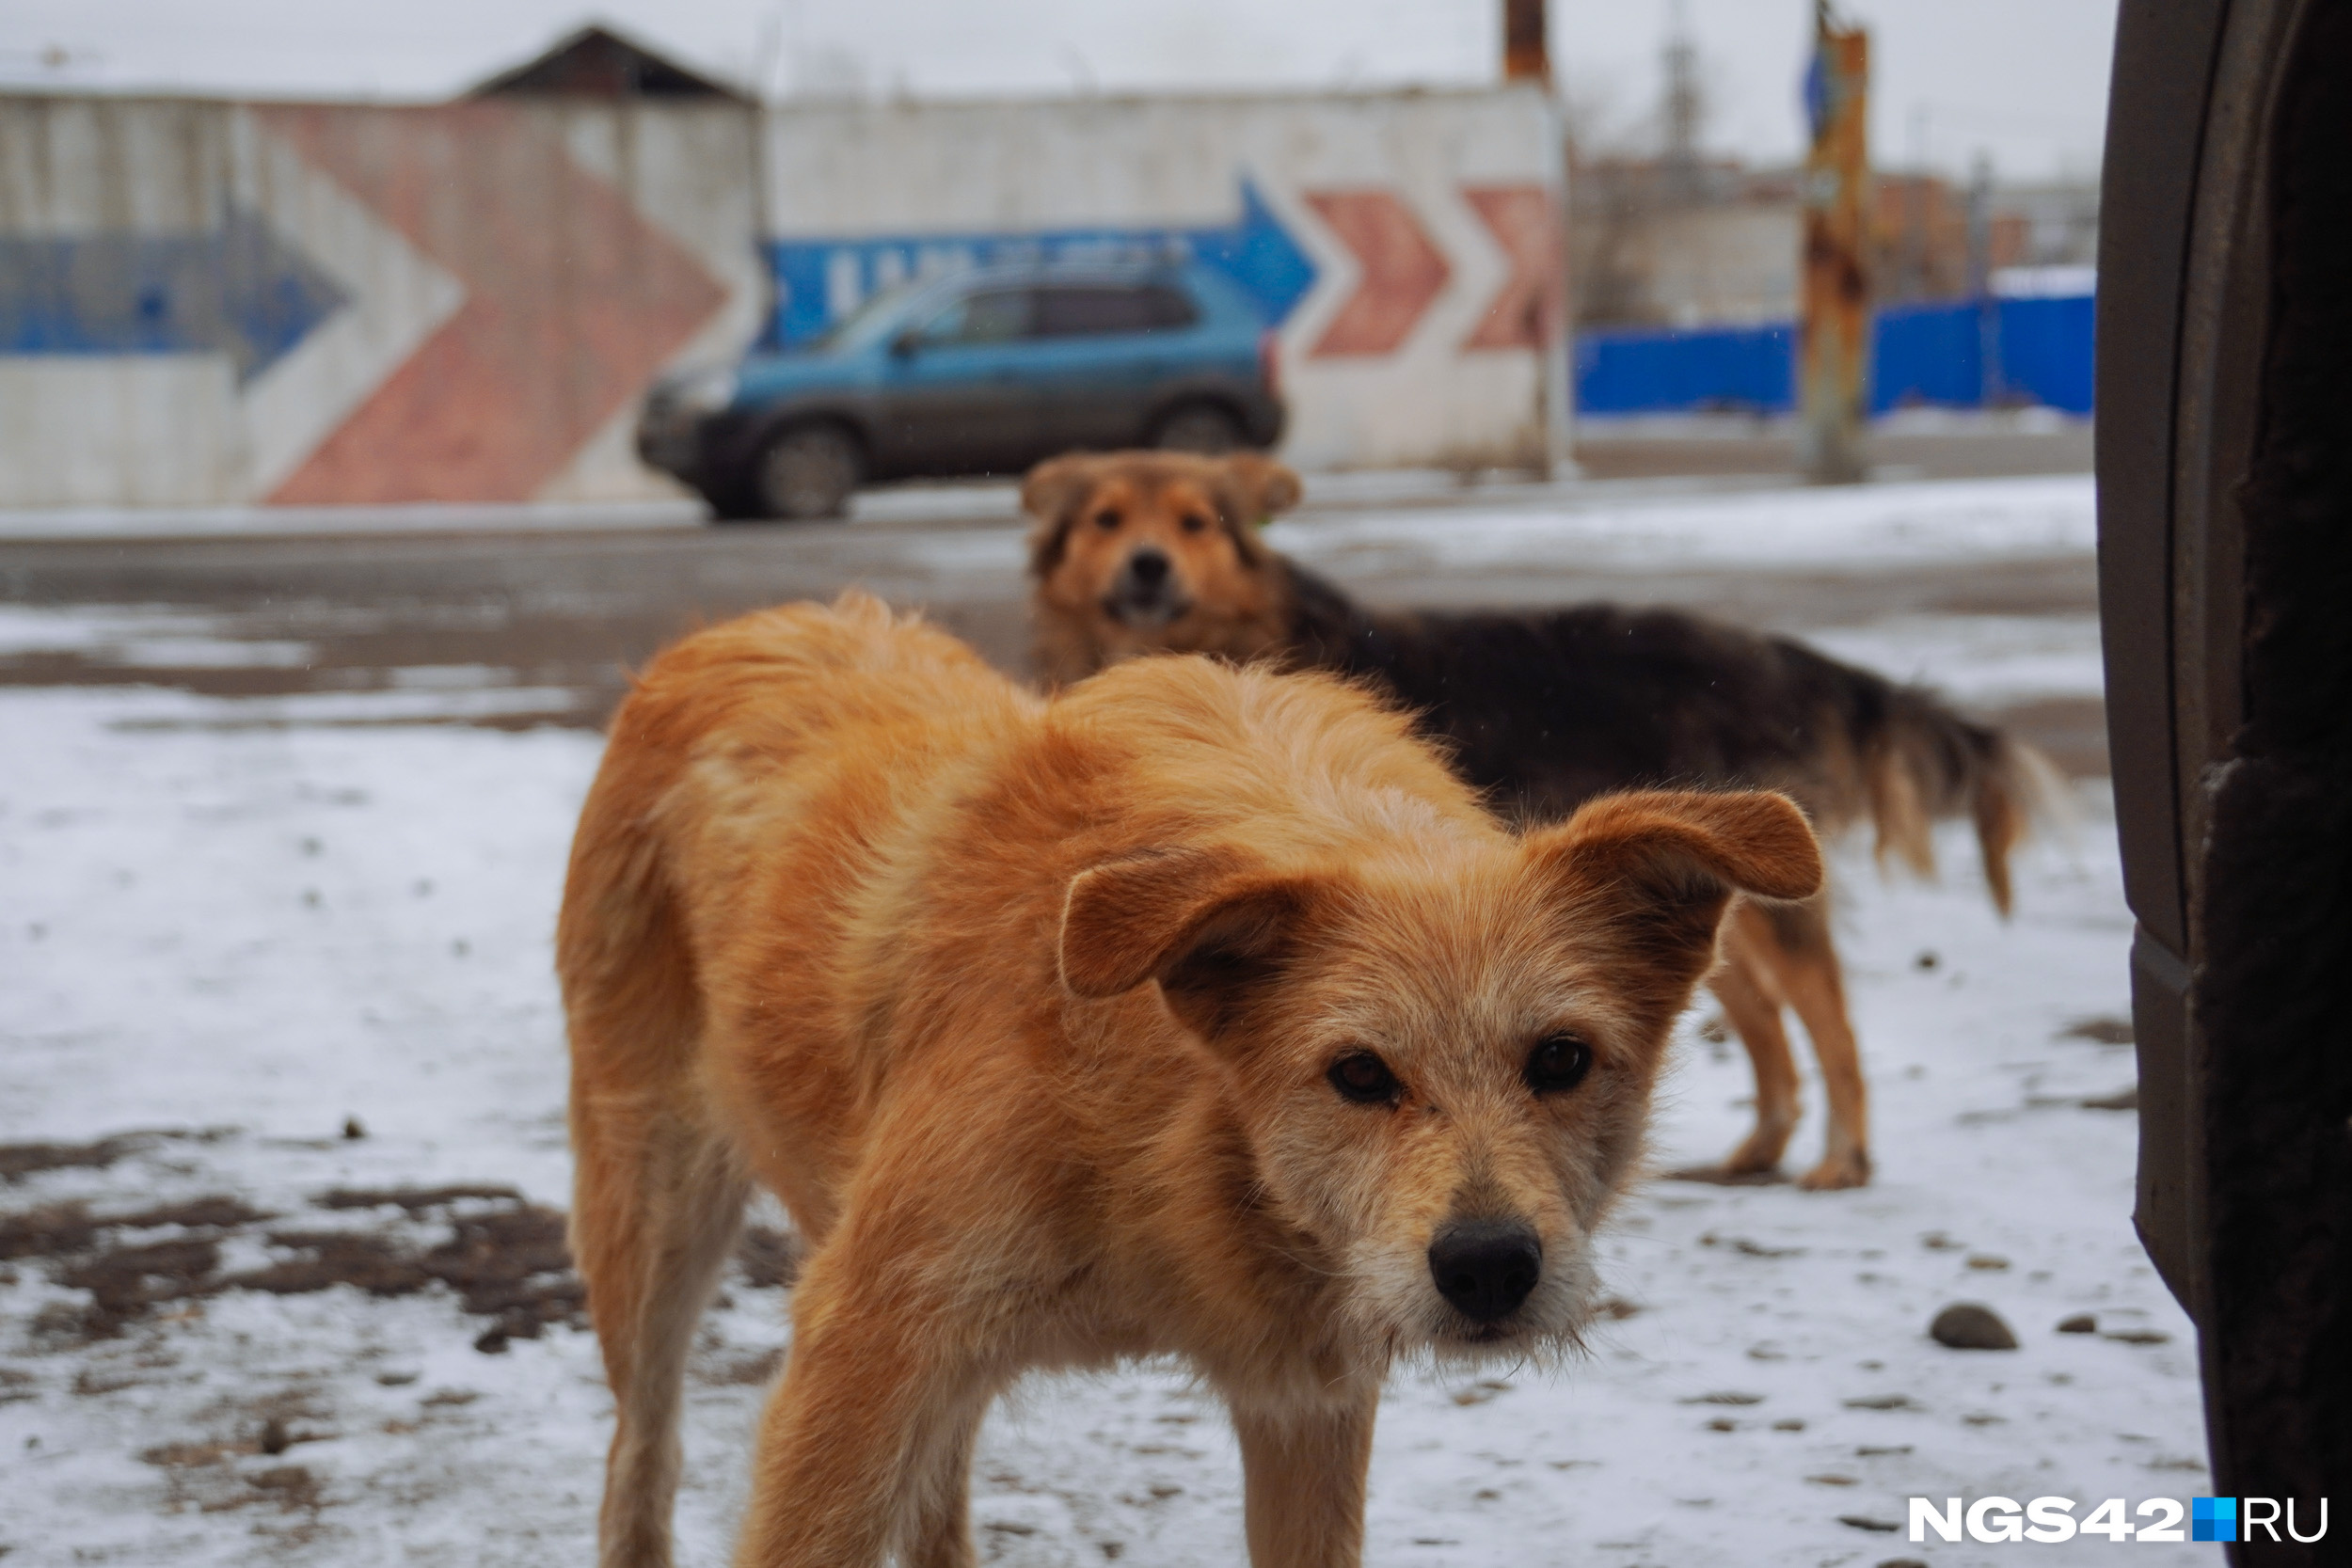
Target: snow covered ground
pixel 230 929
pixel 1876 525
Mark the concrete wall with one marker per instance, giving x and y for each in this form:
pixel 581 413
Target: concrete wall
pixel 206 302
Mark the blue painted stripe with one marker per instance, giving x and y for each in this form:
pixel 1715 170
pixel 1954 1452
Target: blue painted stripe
pixel 237 289
pixel 820 281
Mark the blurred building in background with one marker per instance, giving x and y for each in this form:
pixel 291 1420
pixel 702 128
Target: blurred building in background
pixel 1651 246
pixel 1684 276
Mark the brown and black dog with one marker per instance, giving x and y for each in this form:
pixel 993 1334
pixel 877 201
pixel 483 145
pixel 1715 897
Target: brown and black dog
pixel 1199 1011
pixel 1142 553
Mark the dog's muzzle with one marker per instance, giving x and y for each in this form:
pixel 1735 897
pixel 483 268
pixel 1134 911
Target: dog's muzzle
pixel 1485 1268
pixel 1146 592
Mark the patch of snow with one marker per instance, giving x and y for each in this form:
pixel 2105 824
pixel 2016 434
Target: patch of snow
pixel 1977 659
pixel 1849 527
pixel 142 637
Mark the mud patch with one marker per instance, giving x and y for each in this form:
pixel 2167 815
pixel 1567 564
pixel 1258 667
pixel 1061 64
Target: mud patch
pixel 502 1257
pixel 212 1482
pixel 770 1258
pixel 413 1199
pixel 63 1229
pixel 124 1282
pixel 21 1160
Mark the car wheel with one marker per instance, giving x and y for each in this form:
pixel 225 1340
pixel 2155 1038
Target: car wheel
pixel 809 472
pixel 1200 427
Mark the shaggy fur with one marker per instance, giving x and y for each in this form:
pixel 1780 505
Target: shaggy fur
pixel 1033 1015
pixel 1544 711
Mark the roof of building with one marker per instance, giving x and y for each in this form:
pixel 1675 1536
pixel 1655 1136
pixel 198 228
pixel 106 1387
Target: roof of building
pixel 597 62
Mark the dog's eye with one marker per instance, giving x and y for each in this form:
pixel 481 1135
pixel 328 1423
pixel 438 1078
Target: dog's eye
pixel 1557 1064
pixel 1194 523
pixel 1106 520
pixel 1365 1078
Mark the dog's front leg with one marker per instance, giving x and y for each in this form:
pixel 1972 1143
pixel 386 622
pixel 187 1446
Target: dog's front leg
pixel 1303 1481
pixel 866 1441
pixel 938 1528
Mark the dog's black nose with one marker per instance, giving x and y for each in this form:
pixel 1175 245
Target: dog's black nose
pixel 1149 568
pixel 1485 1268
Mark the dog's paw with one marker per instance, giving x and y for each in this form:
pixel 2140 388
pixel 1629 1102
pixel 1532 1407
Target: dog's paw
pixel 1836 1172
pixel 1759 1156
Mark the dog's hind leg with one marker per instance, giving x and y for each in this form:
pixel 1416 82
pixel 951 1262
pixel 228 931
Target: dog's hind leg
pixel 657 1206
pixel 1803 960
pixel 1303 1483
pixel 1753 1003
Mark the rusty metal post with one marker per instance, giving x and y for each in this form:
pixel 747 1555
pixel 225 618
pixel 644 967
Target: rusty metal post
pixel 1526 55
pixel 1834 335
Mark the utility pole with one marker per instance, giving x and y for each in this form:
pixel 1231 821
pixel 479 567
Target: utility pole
pixel 1526 54
pixel 1680 164
pixel 1990 388
pixel 1527 58
pixel 1834 332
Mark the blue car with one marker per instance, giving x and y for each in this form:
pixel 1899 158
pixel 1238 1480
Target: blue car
pixel 981 372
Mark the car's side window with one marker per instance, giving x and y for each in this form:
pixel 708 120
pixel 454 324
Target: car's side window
pixel 1094 309
pixel 994 316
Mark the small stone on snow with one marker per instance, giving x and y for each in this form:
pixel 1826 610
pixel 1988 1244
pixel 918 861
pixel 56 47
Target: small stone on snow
pixel 1966 1325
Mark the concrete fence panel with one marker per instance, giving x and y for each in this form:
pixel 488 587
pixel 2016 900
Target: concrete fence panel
pixel 216 303
pixel 1406 246
pixel 210 303
pixel 1987 352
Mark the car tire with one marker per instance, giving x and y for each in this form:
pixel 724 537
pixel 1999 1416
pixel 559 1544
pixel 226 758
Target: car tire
pixel 734 502
pixel 1201 427
pixel 808 472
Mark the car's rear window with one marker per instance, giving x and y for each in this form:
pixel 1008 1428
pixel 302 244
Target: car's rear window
pixel 1094 309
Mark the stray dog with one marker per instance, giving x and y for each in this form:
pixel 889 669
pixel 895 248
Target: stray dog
pixel 1141 552
pixel 1201 1010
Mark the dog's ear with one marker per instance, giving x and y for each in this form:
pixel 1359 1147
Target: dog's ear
pixel 1658 868
pixel 1210 927
pixel 1264 487
pixel 1052 494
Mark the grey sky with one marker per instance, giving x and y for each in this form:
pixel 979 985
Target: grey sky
pixel 2023 80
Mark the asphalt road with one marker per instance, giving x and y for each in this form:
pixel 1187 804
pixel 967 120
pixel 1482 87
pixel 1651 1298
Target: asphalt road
pixel 569 610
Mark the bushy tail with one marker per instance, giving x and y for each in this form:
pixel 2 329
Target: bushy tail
pixel 1910 761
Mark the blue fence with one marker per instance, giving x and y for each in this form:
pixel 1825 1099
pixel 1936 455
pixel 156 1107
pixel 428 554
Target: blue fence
pixel 1977 354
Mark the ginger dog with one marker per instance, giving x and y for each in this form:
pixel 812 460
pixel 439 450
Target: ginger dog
pixel 1155 552
pixel 1200 1011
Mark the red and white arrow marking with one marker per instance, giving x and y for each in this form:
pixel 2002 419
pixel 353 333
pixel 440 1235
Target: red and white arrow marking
pixel 1528 310
pixel 398 298
pixel 573 302
pixel 1400 271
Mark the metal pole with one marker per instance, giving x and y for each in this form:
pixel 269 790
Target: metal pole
pixel 1991 390
pixel 1527 57
pixel 1835 331
pixel 1679 166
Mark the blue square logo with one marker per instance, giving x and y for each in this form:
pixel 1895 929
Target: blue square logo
pixel 2212 1519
